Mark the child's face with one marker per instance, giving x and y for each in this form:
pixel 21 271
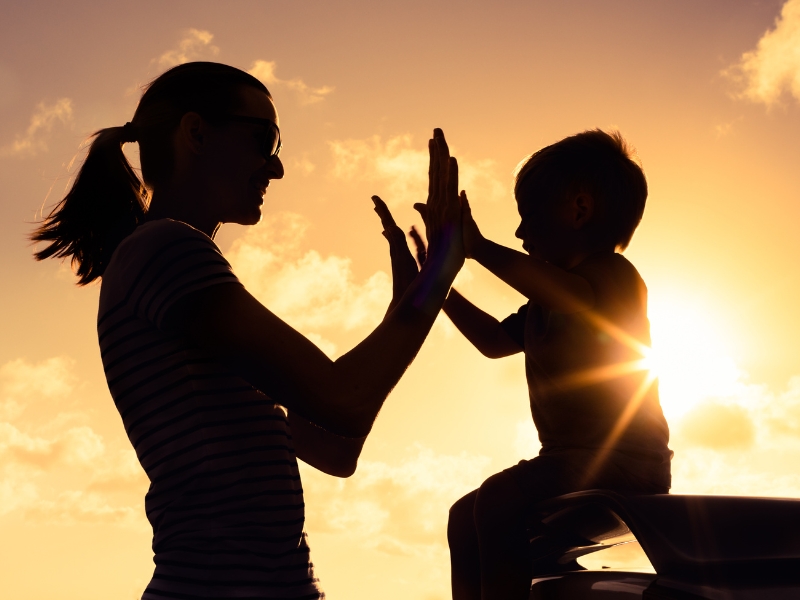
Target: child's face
pixel 545 229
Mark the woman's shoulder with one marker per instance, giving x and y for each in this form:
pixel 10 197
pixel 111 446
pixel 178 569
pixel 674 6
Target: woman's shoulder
pixel 163 230
pixel 161 241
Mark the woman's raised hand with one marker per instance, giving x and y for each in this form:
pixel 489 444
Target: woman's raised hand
pixel 404 268
pixel 442 212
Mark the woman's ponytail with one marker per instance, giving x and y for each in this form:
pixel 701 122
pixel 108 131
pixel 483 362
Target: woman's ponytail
pixel 104 205
pixel 107 200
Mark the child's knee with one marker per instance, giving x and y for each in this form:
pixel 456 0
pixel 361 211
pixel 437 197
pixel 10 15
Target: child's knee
pixel 461 517
pixel 499 501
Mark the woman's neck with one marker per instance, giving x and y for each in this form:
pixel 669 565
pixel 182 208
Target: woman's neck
pixel 166 205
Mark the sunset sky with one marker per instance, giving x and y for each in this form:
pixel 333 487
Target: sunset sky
pixel 709 94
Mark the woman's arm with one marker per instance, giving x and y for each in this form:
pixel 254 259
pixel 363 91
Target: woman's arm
pixel 330 453
pixel 479 327
pixel 342 396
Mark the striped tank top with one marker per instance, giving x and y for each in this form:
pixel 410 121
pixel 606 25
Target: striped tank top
pixel 225 498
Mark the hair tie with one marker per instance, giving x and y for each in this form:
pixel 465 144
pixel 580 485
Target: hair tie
pixel 129 133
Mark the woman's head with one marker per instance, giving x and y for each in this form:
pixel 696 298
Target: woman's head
pixel 211 90
pixel 107 200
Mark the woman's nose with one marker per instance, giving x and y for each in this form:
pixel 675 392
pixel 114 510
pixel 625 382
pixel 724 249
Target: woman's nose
pixel 275 167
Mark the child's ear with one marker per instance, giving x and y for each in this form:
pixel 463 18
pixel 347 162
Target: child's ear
pixel 582 209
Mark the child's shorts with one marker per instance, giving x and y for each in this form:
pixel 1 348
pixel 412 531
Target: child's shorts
pixel 561 472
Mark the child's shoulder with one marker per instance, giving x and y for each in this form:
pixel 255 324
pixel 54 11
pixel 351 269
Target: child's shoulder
pixel 605 265
pixel 614 279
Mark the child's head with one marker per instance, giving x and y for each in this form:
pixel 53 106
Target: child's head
pixel 597 165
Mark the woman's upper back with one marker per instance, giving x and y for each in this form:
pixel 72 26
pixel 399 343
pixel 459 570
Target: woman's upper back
pixel 218 453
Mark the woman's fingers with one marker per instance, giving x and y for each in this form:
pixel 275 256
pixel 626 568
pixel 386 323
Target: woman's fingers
pixel 432 168
pixel 444 165
pixel 391 231
pixel 452 203
pixel 387 220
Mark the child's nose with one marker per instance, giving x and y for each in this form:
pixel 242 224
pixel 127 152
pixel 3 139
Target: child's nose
pixel 518 232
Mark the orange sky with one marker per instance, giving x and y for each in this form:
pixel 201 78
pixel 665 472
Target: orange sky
pixel 708 93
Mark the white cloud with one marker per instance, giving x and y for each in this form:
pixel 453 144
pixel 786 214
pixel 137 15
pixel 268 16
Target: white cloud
pixel 395 508
pixel 311 292
pixel 304 165
pixel 264 70
pixel 195 45
pixel 35 138
pixel 53 465
pixel 772 69
pixel 403 170
pixel 21 380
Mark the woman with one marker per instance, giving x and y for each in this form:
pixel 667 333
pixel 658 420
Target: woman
pixel 217 394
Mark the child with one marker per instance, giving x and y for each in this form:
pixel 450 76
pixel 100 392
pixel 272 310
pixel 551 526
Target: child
pixel 584 332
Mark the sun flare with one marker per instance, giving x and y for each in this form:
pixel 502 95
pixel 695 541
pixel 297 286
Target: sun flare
pixel 690 355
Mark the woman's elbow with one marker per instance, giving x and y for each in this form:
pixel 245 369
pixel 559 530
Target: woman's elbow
pixel 342 467
pixel 345 470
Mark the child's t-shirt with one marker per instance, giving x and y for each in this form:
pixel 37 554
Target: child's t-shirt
pixel 588 386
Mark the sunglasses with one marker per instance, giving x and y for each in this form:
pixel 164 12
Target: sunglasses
pixel 271 142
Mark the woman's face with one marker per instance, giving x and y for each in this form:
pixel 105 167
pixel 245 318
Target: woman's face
pixel 239 173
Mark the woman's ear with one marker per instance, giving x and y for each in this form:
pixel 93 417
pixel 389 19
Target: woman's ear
pixel 582 209
pixel 191 132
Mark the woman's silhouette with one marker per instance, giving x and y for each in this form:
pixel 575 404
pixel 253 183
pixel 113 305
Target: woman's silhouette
pixel 217 394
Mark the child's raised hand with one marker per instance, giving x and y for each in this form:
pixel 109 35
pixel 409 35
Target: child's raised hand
pixel 472 235
pixel 419 244
pixel 404 268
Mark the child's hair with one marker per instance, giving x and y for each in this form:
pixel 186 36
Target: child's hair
pixel 598 163
pixel 107 200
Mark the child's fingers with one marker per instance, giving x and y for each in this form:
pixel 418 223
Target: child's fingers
pixel 419 244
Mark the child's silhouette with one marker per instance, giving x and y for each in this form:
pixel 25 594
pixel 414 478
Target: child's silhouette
pixel 583 331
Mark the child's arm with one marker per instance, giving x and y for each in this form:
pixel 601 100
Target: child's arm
pixel 480 328
pixel 546 284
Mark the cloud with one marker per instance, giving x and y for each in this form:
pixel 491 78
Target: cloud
pixel 76 506
pixel 304 165
pixel 402 167
pixel 54 467
pixel 772 69
pixel 264 70
pixel 311 292
pixel 398 509
pixel 715 425
pixel 20 380
pixel 195 45
pixel 35 138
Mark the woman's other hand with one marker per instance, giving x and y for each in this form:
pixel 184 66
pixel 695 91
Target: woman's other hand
pixel 404 267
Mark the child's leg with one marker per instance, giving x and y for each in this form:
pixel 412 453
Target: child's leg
pixel 505 570
pixel 465 562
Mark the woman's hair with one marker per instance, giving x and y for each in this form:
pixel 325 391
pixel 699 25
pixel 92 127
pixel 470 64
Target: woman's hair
pixel 599 163
pixel 107 200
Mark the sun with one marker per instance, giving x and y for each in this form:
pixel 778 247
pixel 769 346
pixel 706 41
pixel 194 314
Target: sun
pixel 690 354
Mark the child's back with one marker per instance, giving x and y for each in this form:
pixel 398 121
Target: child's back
pixel 585 335
pixel 588 388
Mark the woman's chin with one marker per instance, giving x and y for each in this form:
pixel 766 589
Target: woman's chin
pixel 251 215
